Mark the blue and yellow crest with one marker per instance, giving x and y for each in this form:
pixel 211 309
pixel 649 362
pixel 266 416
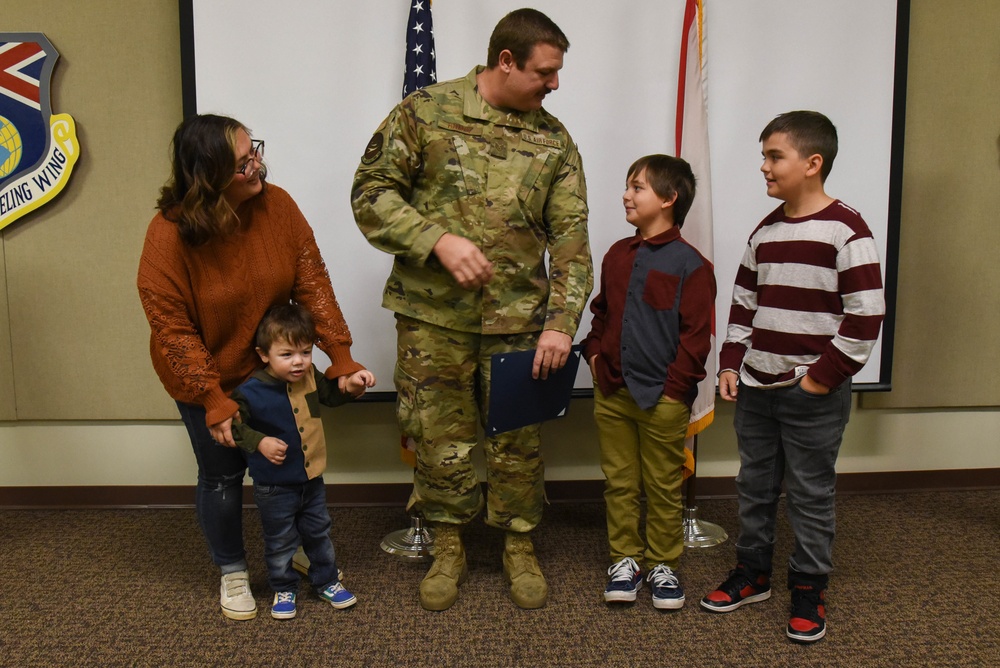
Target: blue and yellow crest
pixel 37 149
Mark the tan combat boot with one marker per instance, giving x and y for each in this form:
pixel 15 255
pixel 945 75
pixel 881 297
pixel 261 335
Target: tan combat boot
pixel 439 589
pixel 527 585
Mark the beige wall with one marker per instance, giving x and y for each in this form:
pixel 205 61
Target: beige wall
pixel 948 328
pixel 78 338
pixel 80 405
pixel 8 409
pixel 363 447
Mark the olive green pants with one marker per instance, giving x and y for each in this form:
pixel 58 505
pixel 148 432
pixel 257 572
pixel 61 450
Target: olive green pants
pixel 642 449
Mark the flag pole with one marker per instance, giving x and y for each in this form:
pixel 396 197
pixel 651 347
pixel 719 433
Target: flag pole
pixel 412 544
pixel 419 69
pixel 691 144
pixel 697 532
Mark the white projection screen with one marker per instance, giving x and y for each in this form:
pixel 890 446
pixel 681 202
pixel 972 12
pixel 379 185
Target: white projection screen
pixel 314 78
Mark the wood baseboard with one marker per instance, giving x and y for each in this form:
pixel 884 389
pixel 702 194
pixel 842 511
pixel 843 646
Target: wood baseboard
pixel 391 494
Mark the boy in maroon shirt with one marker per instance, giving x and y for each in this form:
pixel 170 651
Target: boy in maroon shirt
pixel 647 347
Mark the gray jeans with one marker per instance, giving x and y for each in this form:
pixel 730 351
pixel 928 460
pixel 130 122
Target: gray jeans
pixel 786 434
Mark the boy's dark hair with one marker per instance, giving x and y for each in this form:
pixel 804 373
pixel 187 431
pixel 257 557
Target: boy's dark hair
pixel 519 32
pixel 667 175
pixel 810 132
pixel 285 322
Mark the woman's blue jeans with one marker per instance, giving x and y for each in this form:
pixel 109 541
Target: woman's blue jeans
pixel 219 495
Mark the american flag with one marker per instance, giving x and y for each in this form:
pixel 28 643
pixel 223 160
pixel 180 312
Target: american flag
pixel 421 68
pixel 420 71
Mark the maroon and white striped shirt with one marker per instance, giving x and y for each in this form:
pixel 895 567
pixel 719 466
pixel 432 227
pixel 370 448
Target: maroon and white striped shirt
pixel 808 298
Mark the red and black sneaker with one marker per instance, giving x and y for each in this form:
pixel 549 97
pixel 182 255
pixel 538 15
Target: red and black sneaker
pixel 807 622
pixel 741 587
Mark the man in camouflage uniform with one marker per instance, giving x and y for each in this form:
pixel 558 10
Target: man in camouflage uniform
pixel 468 183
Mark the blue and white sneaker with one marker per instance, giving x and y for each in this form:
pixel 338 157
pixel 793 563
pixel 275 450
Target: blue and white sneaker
pixel 338 597
pixel 284 605
pixel 667 591
pixel 625 582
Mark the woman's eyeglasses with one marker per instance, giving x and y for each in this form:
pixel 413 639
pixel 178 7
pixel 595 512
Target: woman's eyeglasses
pixel 256 153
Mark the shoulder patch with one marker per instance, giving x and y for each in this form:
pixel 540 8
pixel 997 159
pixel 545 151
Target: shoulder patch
pixel 541 140
pixel 461 127
pixel 374 149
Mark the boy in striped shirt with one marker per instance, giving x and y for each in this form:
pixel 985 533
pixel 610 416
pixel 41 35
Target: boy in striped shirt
pixel 806 312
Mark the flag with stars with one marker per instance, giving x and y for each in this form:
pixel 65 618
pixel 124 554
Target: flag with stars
pixel 421 69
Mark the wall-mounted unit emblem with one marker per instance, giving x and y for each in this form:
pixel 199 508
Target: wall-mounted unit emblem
pixel 37 148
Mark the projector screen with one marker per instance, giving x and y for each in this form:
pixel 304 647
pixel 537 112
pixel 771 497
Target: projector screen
pixel 315 78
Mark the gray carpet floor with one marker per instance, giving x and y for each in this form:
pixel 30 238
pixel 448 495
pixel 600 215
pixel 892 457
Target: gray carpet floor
pixel 915 585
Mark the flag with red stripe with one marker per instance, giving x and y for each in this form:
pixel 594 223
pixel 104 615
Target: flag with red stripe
pixel 691 137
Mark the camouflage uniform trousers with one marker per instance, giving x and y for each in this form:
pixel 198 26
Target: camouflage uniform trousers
pixel 442 378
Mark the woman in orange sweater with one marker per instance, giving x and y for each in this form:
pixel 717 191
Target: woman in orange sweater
pixel 224 247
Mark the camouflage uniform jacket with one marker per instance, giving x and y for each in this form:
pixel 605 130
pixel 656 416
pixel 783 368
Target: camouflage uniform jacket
pixel 512 183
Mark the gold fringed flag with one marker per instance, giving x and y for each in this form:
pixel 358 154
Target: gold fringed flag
pixel 408 450
pixel 692 145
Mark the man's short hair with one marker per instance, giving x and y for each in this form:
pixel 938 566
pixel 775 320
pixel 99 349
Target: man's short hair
pixel 285 322
pixel 519 32
pixel 667 175
pixel 810 132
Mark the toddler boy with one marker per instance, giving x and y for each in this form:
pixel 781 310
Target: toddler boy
pixel 281 429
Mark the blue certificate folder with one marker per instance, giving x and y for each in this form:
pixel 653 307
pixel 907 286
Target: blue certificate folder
pixel 517 399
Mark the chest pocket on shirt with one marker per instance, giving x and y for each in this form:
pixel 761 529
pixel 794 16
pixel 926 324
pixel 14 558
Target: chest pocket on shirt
pixel 660 290
pixel 538 151
pixel 448 159
pixel 312 401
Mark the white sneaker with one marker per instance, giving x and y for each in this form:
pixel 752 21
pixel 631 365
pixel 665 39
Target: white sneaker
pixel 237 601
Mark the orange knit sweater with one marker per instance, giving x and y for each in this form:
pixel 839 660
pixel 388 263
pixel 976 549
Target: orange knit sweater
pixel 204 304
